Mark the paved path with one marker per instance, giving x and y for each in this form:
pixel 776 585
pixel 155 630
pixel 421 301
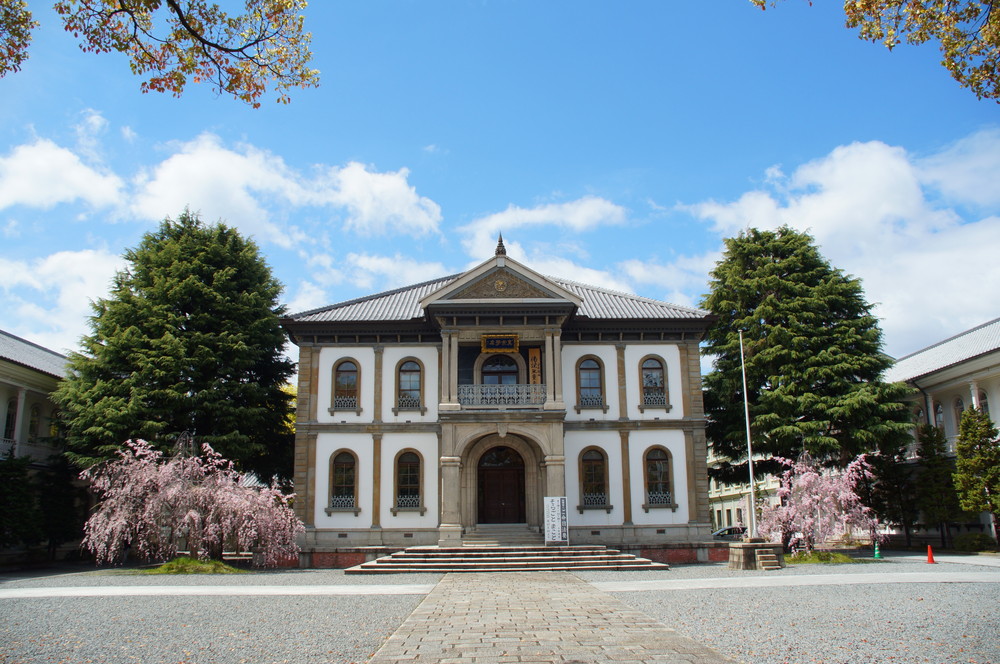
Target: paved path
pixel 533 617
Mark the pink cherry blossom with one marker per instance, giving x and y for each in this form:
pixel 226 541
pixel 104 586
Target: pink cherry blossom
pixel 150 505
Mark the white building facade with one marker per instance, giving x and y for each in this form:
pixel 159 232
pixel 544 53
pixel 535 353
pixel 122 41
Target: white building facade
pixel 28 375
pixel 430 412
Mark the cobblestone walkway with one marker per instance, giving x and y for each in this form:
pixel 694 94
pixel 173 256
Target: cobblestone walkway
pixel 533 617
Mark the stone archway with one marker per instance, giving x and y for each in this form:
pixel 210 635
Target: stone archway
pixel 490 473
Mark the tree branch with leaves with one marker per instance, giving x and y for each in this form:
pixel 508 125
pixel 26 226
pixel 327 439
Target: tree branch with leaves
pixel 173 42
pixel 967 32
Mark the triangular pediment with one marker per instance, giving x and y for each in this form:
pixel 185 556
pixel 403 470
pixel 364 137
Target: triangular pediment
pixel 502 280
pixel 502 283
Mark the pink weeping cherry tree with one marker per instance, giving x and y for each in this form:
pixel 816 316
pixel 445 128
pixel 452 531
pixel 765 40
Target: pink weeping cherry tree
pixel 817 505
pixel 149 504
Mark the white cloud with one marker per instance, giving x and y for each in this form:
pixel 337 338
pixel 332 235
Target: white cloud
pixel 967 170
pixel 380 273
pixel 566 269
pixel 48 299
pixel 380 203
pixel 42 175
pixel 870 208
pixel 308 296
pixel 581 215
pixel 219 183
pixel 244 186
pixel 91 126
pixel 682 281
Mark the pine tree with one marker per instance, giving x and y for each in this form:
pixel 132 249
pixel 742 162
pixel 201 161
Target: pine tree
pixel 977 468
pixel 188 340
pixel 936 494
pixel 813 358
pixel 893 490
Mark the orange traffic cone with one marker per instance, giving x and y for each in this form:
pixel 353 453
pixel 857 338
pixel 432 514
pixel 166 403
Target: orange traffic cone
pixel 930 555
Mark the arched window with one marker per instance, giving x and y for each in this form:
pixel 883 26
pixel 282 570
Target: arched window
pixel 500 370
pixel 939 416
pixel 346 386
pixel 984 405
pixel 959 406
pixel 658 479
pixel 343 483
pixel 593 480
pixel 409 387
pixel 652 378
pixel 590 384
pixel 409 497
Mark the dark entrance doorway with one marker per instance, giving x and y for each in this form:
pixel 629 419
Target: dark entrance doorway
pixel 501 486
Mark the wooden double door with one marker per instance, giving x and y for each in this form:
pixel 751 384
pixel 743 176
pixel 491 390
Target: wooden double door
pixel 501 486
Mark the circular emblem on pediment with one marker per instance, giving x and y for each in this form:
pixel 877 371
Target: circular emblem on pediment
pixel 500 285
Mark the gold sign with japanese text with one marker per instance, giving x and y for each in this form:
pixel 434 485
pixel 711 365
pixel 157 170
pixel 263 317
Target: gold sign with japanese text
pixel 500 343
pixel 535 366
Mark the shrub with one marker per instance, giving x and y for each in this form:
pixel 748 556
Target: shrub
pixel 812 557
pixel 186 565
pixel 974 542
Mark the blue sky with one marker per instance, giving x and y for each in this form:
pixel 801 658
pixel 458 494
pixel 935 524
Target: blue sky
pixel 615 144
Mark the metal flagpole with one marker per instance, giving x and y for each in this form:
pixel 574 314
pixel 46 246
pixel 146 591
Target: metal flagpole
pixel 746 413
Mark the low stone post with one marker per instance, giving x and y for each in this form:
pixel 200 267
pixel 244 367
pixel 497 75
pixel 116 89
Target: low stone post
pixel 743 555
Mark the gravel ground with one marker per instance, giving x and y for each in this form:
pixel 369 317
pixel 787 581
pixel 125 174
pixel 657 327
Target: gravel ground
pixel 934 623
pixel 937 623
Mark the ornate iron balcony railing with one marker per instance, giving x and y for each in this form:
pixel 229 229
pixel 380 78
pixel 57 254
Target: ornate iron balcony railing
pixel 501 396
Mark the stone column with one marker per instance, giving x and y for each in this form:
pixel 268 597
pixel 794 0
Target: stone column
pixel 450 530
pixel 376 481
pixel 557 368
pixel 449 369
pixel 445 365
pixel 974 390
pixel 622 391
pixel 626 480
pixel 555 474
pixel 550 395
pixel 378 382
pixel 22 403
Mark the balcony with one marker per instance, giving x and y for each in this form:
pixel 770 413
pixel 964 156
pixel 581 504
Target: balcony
pixel 501 397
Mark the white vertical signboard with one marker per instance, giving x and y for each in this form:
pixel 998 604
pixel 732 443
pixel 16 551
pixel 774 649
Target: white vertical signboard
pixel 556 520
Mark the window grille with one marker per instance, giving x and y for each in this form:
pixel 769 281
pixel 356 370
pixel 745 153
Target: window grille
pixel 342 502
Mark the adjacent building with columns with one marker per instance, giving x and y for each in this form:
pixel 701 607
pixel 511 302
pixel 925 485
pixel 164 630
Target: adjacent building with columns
pixel 431 412
pixel 950 376
pixel 29 373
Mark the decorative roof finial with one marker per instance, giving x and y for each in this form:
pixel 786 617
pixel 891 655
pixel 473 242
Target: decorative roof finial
pixel 501 250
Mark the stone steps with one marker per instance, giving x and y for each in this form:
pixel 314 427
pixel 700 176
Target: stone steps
pixel 767 561
pixel 503 559
pixel 502 535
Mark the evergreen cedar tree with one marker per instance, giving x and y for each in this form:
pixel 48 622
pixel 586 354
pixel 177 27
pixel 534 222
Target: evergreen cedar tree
pixel 172 42
pixel 188 340
pixel 813 359
pixel 977 466
pixel 967 32
pixel 936 495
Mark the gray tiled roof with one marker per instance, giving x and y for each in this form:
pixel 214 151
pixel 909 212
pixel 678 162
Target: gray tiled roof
pixel 404 304
pixel 33 356
pixel 972 343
